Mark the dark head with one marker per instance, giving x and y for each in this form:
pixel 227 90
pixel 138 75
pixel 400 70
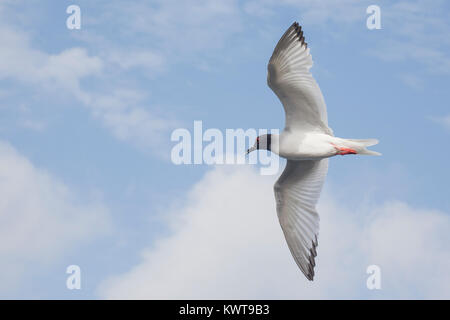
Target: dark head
pixel 263 142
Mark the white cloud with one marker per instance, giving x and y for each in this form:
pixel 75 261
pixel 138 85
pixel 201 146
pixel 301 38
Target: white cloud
pixel 444 121
pixel 412 81
pixel 183 26
pixel 40 218
pixel 146 59
pixel 20 61
pixel 310 11
pixel 121 110
pixel 33 124
pixel 415 31
pixel 419 35
pixel 226 243
pixel 123 113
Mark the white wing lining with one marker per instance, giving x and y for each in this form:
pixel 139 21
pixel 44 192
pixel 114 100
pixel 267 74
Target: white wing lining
pixel 289 77
pixel 296 193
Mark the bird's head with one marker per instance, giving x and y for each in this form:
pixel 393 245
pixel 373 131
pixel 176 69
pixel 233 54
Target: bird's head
pixel 263 142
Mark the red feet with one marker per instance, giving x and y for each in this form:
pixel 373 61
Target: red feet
pixel 343 151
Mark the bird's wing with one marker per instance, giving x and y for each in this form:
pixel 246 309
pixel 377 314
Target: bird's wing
pixel 296 193
pixel 289 77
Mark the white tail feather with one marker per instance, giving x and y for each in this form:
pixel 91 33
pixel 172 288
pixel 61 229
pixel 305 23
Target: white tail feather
pixel 360 146
pixel 368 152
pixel 366 142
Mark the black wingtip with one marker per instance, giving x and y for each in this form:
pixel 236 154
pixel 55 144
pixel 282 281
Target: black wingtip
pixel 312 262
pixel 299 31
pixel 310 275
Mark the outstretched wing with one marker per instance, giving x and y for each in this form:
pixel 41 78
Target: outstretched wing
pixel 289 77
pixel 296 193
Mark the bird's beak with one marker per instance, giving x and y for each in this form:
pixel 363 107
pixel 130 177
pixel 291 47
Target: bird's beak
pixel 250 150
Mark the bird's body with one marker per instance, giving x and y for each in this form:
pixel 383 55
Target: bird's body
pixel 316 145
pixel 306 142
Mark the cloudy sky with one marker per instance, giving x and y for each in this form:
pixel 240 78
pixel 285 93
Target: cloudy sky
pixel 85 171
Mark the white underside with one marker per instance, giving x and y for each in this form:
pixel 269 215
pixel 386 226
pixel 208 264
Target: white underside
pixel 316 145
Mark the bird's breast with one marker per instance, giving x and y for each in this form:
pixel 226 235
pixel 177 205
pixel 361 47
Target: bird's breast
pixel 306 146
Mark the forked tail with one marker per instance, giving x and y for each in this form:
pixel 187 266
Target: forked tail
pixel 360 146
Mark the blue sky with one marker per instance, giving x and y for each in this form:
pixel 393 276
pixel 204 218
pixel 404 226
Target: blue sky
pixel 86 118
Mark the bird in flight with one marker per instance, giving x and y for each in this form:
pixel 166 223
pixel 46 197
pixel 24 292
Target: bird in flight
pixel 306 142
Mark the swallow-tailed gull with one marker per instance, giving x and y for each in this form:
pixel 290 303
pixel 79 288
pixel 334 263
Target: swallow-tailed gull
pixel 306 142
